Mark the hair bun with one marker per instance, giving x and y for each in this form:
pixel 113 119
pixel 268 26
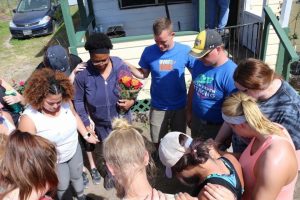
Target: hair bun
pixel 120 123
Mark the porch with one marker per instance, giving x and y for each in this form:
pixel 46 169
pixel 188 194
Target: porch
pixel 263 39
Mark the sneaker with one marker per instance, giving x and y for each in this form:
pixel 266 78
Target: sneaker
pixel 108 182
pixel 95 176
pixel 85 180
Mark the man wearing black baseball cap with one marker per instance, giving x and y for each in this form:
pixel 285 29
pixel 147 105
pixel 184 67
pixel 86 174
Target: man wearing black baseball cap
pixel 57 58
pixel 212 76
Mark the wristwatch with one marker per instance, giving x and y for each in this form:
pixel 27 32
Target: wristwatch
pixel 87 135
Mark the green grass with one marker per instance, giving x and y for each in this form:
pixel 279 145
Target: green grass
pixel 4 31
pixel 18 58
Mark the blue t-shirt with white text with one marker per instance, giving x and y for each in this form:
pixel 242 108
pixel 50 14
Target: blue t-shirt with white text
pixel 211 86
pixel 168 88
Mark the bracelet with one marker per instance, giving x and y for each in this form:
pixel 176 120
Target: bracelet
pixel 87 135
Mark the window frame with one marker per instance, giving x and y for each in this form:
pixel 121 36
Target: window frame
pixel 155 3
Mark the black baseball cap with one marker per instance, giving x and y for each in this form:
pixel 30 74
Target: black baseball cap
pixel 57 58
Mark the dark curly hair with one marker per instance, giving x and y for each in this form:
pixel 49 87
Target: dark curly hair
pixel 198 153
pixel 47 81
pixel 98 41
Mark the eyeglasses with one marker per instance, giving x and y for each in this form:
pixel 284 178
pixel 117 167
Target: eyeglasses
pixel 100 62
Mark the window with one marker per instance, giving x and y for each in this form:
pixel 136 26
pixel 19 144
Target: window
pixel 124 4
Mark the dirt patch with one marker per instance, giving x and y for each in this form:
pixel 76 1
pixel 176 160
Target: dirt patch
pixel 4 17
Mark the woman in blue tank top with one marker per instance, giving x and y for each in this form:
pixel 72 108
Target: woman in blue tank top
pixel 197 163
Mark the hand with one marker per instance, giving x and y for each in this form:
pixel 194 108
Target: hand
pixel 92 125
pixel 184 196
pixel 215 192
pixel 80 67
pixel 92 139
pixel 10 100
pixel 91 130
pixel 125 104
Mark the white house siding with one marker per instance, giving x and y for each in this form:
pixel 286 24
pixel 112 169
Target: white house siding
pixel 273 40
pixel 138 21
pixel 72 2
pixel 252 12
pixel 132 51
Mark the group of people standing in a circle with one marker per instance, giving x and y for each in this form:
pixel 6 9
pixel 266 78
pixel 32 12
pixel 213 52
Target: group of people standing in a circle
pixel 247 105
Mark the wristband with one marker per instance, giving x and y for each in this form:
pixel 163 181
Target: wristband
pixel 87 135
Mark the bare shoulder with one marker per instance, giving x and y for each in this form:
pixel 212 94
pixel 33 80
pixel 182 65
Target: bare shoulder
pixel 274 161
pixel 236 165
pixel 232 159
pixel 26 124
pixel 278 151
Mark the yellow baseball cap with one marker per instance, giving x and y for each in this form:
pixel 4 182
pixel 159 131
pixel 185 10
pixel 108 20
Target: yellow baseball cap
pixel 205 42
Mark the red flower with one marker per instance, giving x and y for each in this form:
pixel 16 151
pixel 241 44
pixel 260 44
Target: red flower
pixel 22 83
pixel 128 87
pixel 126 80
pixel 136 84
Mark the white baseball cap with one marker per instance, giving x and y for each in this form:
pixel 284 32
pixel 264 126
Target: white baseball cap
pixel 171 151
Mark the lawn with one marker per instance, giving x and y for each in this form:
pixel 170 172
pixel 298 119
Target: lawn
pixel 18 58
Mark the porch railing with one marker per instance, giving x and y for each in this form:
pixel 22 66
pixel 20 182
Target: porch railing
pixel 287 53
pixel 242 41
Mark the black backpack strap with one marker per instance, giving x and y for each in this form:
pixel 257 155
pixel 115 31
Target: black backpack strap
pixel 239 188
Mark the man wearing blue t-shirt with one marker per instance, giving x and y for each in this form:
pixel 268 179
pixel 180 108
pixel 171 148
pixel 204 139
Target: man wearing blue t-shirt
pixel 212 81
pixel 166 60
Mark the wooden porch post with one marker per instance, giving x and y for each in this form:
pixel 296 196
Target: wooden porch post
pixel 91 11
pixel 283 61
pixel 82 13
pixel 264 41
pixel 201 15
pixel 69 26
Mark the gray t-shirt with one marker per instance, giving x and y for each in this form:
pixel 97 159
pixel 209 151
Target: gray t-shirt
pixel 283 108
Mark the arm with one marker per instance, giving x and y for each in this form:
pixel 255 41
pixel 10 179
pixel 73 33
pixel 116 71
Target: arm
pixel 26 125
pixel 8 117
pixel 78 68
pixel 156 194
pixel 138 72
pixel 12 99
pixel 189 105
pixel 224 133
pixel 7 125
pixel 216 192
pixel 126 104
pixel 82 129
pixel 273 171
pixel 79 100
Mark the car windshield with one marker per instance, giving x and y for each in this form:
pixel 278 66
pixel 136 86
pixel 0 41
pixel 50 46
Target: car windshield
pixel 33 5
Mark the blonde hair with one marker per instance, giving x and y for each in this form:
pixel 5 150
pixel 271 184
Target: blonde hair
pixel 239 103
pixel 125 149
